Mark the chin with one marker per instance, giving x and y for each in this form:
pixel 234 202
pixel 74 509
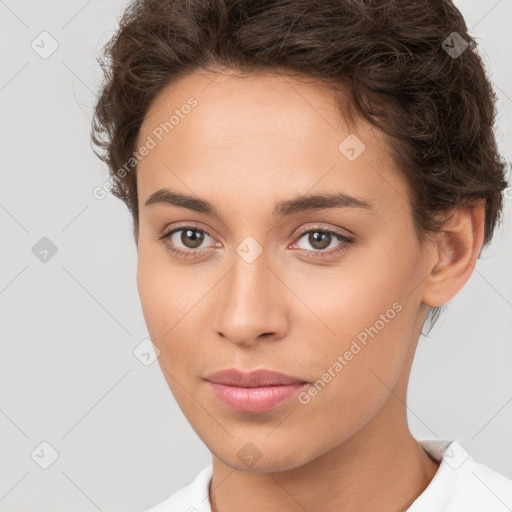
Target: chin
pixel 251 459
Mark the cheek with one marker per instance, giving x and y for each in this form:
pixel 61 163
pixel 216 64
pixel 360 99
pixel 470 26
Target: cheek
pixel 151 287
pixel 162 296
pixel 169 297
pixel 356 369
pixel 365 315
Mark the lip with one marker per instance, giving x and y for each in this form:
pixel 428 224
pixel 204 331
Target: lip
pixel 254 392
pixel 254 379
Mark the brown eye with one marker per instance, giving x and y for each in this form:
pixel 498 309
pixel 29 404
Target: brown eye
pixel 191 238
pixel 187 241
pixel 322 243
pixel 319 239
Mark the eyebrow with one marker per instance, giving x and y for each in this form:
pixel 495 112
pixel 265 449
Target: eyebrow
pixel 283 208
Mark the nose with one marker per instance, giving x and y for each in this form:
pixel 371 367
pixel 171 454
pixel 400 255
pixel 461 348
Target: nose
pixel 251 304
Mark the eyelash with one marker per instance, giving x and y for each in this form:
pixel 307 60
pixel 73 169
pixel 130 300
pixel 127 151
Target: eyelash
pixel 191 253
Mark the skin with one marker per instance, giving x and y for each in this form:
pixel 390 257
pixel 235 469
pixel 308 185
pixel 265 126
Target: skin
pixel 250 142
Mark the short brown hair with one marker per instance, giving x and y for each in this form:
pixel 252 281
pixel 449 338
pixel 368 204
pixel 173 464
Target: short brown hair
pixel 410 68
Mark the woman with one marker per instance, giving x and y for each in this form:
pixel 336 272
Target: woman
pixel 309 182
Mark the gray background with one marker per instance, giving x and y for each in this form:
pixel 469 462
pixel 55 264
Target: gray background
pixel 69 326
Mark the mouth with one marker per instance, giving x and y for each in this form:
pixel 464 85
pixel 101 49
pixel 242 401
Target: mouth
pixel 253 392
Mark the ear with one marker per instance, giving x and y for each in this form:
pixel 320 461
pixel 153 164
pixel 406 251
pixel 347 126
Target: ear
pixel 454 255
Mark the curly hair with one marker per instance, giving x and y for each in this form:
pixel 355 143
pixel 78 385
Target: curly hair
pixel 409 68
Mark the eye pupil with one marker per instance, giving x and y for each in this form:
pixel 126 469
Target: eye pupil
pixel 319 242
pixel 196 236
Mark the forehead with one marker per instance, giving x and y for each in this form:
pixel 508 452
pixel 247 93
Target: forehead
pixel 262 134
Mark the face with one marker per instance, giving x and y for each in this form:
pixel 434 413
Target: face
pixel 324 291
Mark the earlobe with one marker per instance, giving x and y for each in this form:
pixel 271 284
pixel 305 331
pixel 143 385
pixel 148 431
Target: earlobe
pixel 455 253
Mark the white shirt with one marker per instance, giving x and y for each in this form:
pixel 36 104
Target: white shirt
pixel 460 485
